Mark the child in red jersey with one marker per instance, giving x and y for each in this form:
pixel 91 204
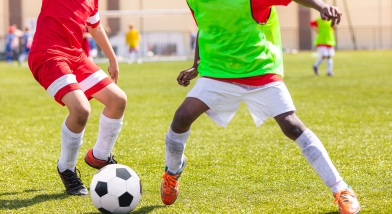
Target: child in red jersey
pixel 59 65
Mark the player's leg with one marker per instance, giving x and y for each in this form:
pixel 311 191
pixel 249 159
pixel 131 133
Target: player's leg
pixel 73 128
pixel 312 149
pixel 318 158
pixel 72 131
pixel 110 124
pixel 274 100
pixel 9 53
pixel 176 138
pixel 21 58
pixel 220 101
pixel 138 56
pixel 319 60
pixel 131 55
pixel 175 141
pixel 329 66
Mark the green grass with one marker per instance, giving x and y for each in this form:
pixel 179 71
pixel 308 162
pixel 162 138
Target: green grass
pixel 240 169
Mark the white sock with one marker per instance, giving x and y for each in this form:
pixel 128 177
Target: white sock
pixel 329 65
pixel 175 146
pixel 70 144
pixel 107 135
pixel 318 158
pixel 318 61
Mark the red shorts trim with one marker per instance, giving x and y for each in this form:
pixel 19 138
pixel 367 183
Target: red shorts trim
pixel 48 67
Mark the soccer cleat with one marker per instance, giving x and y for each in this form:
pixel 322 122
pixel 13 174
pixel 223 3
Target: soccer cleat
pixel 315 69
pixel 96 163
pixel 347 201
pixel 331 74
pixel 170 185
pixel 72 183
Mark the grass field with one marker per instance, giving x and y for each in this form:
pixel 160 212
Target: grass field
pixel 240 169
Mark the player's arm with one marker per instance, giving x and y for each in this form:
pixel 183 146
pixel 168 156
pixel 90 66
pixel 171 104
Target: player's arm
pixel 100 37
pixel 327 12
pixel 185 77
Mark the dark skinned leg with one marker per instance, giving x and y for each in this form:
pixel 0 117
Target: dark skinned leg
pixel 290 124
pixel 187 113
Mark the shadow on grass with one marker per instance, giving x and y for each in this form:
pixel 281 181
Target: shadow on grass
pixel 332 213
pixel 142 210
pixel 20 203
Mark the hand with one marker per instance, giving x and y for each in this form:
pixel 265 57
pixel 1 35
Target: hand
pixel 331 13
pixel 113 71
pixel 185 77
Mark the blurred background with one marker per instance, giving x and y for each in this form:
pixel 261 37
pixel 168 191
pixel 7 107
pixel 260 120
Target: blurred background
pixel 167 28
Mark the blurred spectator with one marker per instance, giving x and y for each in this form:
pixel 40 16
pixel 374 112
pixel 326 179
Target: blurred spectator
pixel 10 44
pixel 93 47
pixel 132 39
pixel 192 39
pixel 26 41
pixel 86 43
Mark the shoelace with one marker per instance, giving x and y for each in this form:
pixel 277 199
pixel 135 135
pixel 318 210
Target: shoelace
pixel 169 181
pixel 111 160
pixel 72 179
pixel 339 199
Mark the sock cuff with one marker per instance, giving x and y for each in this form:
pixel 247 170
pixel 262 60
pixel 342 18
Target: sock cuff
pixel 68 132
pixel 305 135
pixel 181 137
pixel 111 120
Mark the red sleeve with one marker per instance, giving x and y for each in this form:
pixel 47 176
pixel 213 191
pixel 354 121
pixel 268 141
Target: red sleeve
pixel 96 7
pixel 94 19
pixel 313 24
pixel 261 8
pixel 264 4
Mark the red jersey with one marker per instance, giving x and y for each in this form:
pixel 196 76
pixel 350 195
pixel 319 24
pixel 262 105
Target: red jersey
pixel 61 24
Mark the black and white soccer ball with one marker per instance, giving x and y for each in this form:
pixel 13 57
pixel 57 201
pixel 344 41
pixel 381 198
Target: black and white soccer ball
pixel 115 188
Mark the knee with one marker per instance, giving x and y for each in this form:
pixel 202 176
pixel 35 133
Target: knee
pixel 81 114
pixel 122 101
pixel 291 126
pixel 291 130
pixel 118 102
pixel 182 120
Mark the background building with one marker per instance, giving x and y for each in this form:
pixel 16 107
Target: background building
pixel 166 25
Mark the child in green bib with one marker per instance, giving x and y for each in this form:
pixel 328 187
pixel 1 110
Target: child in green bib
pixel 238 57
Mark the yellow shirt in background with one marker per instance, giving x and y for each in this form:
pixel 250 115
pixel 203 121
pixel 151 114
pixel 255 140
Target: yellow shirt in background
pixel 132 38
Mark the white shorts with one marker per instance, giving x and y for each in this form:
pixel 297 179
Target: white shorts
pixel 224 99
pixel 326 51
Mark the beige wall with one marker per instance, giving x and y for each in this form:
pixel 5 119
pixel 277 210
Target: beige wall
pixel 172 22
pixel 363 14
pixel 3 17
pixel 375 15
pixel 30 12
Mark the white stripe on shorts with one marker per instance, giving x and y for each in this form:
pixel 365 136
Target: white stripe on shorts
pixel 92 80
pixel 61 83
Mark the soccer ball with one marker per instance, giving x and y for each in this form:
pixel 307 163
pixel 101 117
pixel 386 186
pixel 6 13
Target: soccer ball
pixel 115 188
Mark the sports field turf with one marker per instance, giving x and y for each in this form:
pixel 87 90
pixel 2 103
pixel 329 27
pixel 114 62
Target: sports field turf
pixel 240 169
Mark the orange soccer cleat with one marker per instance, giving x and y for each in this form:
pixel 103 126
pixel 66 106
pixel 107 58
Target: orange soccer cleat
pixel 96 163
pixel 170 185
pixel 347 201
